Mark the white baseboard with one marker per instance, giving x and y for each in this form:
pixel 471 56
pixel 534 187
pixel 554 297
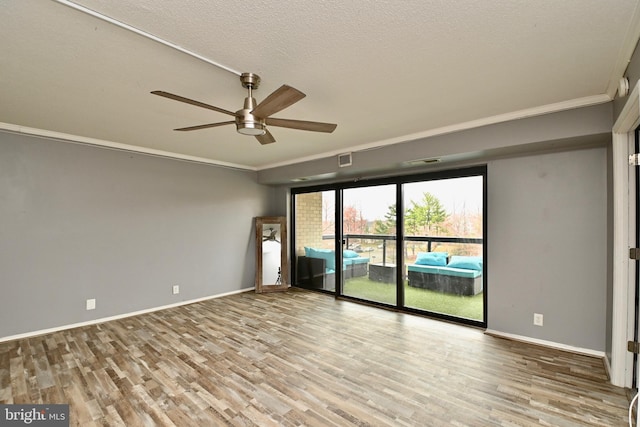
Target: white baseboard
pixel 551 344
pixel 119 316
pixel 607 366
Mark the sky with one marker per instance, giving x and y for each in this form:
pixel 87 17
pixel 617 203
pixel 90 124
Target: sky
pixel 453 193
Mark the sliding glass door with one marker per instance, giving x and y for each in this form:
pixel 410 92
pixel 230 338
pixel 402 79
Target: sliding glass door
pixel 443 246
pixel 369 237
pixel 426 256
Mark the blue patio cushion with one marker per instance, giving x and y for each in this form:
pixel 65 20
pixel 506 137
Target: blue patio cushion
pixel 446 271
pixel 348 253
pixel 468 262
pixel 432 258
pixel 326 254
pixel 330 261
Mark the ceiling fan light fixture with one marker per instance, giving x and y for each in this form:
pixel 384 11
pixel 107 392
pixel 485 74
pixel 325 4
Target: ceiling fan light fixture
pixel 251 128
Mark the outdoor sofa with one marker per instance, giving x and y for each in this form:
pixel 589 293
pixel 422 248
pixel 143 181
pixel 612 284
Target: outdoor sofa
pixel 316 269
pixel 459 275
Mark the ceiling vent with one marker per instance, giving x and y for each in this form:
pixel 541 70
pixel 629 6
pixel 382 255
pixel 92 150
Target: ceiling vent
pixel 423 161
pixel 344 160
pixel 314 177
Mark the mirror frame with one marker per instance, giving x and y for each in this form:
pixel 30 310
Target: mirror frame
pixel 260 222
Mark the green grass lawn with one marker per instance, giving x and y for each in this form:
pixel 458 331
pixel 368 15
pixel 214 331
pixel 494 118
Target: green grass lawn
pixel 453 305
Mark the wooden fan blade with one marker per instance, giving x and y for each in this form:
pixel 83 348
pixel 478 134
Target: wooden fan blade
pixel 191 101
pixel 278 100
pixel 301 124
pixel 207 126
pixel 267 138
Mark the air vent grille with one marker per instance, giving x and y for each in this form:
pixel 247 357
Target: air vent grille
pixel 344 160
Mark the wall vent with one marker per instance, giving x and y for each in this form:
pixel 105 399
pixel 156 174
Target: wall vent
pixel 344 160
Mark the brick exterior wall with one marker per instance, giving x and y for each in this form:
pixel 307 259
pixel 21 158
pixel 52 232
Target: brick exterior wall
pixel 309 222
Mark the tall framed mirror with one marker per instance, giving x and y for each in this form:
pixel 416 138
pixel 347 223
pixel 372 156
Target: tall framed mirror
pixel 271 254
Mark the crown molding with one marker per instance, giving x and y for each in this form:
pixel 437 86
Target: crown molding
pixel 75 139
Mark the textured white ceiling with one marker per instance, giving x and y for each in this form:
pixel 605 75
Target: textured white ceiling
pixel 384 71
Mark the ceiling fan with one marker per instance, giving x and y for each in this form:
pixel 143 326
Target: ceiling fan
pixel 253 119
pixel 271 237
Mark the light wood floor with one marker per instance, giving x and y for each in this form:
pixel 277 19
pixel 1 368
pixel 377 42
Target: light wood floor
pixel 303 358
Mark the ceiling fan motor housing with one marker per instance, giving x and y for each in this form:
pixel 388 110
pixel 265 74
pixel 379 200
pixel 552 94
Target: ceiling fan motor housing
pixel 247 123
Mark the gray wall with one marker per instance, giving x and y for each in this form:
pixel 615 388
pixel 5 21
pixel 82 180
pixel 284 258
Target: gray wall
pixel 81 222
pixel 548 246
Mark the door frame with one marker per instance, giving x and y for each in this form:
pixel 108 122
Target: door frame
pixel 623 298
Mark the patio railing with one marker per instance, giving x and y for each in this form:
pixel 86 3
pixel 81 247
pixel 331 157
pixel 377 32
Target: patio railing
pixel 429 240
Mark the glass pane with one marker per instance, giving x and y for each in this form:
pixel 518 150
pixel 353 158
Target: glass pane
pixel 369 229
pixel 315 240
pixel 443 247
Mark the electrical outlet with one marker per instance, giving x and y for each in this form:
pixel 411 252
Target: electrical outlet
pixel 91 304
pixel 538 319
pixel 176 289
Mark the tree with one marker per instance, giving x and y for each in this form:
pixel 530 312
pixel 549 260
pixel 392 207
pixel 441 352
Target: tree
pixel 353 222
pixel 462 223
pixel 411 221
pixel 429 214
pixel 411 226
pixel 388 225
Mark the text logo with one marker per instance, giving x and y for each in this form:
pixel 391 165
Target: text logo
pixel 34 415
